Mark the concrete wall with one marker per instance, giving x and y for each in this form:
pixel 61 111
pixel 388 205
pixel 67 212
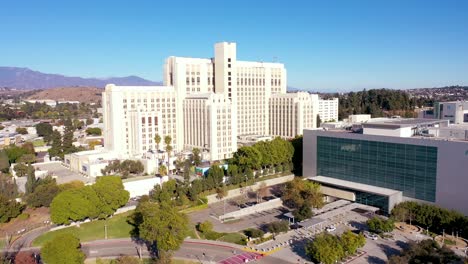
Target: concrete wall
pixel 275 203
pixel 338 193
pixel 143 186
pixel 237 192
pixel 452 164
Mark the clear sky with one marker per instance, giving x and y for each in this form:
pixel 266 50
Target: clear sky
pixel 326 45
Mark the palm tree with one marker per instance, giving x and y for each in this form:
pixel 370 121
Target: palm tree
pixel 157 139
pixel 167 140
pixel 162 170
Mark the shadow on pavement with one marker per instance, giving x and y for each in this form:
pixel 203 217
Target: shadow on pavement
pixel 298 247
pixel 388 251
pixel 375 260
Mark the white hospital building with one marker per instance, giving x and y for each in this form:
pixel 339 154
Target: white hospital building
pixel 208 104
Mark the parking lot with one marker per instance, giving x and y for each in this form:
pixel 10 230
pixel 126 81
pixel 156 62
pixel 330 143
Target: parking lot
pixel 290 246
pixel 57 170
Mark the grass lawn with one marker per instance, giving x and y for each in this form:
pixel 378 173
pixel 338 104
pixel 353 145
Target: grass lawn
pixel 2 243
pixel 38 143
pixel 235 238
pixel 117 227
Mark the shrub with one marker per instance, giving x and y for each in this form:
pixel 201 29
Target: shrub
pixel 254 232
pixel 23 216
pixel 205 227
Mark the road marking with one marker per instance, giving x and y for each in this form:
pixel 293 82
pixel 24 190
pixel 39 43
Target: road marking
pixel 93 251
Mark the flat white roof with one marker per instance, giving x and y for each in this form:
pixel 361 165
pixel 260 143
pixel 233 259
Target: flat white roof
pixel 354 185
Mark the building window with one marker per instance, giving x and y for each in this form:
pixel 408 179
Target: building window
pixel 229 59
pixel 229 65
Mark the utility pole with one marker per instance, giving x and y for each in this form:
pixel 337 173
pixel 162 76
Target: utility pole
pixel 105 230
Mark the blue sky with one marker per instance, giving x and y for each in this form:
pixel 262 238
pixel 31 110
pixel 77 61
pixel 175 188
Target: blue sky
pixel 325 45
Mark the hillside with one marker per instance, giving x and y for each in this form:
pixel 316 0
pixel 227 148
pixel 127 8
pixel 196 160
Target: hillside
pixel 26 79
pixel 82 94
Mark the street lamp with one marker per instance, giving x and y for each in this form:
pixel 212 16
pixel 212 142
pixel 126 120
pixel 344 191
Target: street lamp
pixel 105 230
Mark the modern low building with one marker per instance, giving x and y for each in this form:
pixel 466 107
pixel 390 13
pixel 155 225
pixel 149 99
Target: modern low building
pixel 382 170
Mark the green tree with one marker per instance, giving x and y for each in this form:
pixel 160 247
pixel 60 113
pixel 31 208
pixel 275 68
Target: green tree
pixel 27 158
pixel 298 192
pixel 4 162
pixel 160 224
pixel 351 242
pixel 302 213
pixel 9 209
pixel 205 227
pixel 95 131
pixel 325 248
pixel 254 232
pixel 196 156
pixel 21 130
pixel 43 194
pixel 164 193
pixel 31 182
pixel 278 227
pixel 379 225
pixel 8 187
pixel 426 251
pixel 44 130
pixel 70 205
pixel 247 157
pixel 221 192
pixel 21 169
pixel 63 249
pixel 56 147
pixel 162 170
pixel 111 192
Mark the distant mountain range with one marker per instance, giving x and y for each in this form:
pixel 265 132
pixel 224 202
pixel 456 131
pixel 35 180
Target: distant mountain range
pixel 27 79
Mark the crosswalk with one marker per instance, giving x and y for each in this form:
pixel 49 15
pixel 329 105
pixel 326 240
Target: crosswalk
pixel 241 258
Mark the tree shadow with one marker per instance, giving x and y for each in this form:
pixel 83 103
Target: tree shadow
pixel 375 260
pixel 276 190
pixel 358 225
pixel 298 247
pixel 401 244
pixel 389 251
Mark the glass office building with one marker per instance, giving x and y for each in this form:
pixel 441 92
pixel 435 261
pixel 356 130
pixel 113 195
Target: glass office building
pixel 411 169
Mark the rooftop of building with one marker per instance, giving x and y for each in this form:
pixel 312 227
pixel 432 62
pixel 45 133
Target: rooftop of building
pixel 402 122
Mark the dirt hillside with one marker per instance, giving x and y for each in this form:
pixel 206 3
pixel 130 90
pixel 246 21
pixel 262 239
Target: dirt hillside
pixel 82 94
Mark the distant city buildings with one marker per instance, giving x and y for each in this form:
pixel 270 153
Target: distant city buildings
pixel 390 160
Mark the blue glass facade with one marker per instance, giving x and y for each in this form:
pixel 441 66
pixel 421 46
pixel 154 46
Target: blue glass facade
pixel 411 169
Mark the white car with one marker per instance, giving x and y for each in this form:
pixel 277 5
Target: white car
pixel 374 237
pixel 331 228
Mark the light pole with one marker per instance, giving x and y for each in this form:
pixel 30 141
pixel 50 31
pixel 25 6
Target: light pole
pixel 105 230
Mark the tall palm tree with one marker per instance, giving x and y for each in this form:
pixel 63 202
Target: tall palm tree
pixel 157 139
pixel 168 140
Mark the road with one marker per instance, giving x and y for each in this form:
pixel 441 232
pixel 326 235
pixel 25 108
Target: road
pixel 203 251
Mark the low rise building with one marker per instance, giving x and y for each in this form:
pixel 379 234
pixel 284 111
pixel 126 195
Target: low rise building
pixel 390 162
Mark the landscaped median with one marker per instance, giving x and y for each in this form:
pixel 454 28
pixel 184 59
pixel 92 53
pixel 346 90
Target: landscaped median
pixel 117 227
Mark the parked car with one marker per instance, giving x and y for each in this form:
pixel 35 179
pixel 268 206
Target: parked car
pixel 331 228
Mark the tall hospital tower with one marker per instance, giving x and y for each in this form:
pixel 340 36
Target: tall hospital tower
pixel 206 104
